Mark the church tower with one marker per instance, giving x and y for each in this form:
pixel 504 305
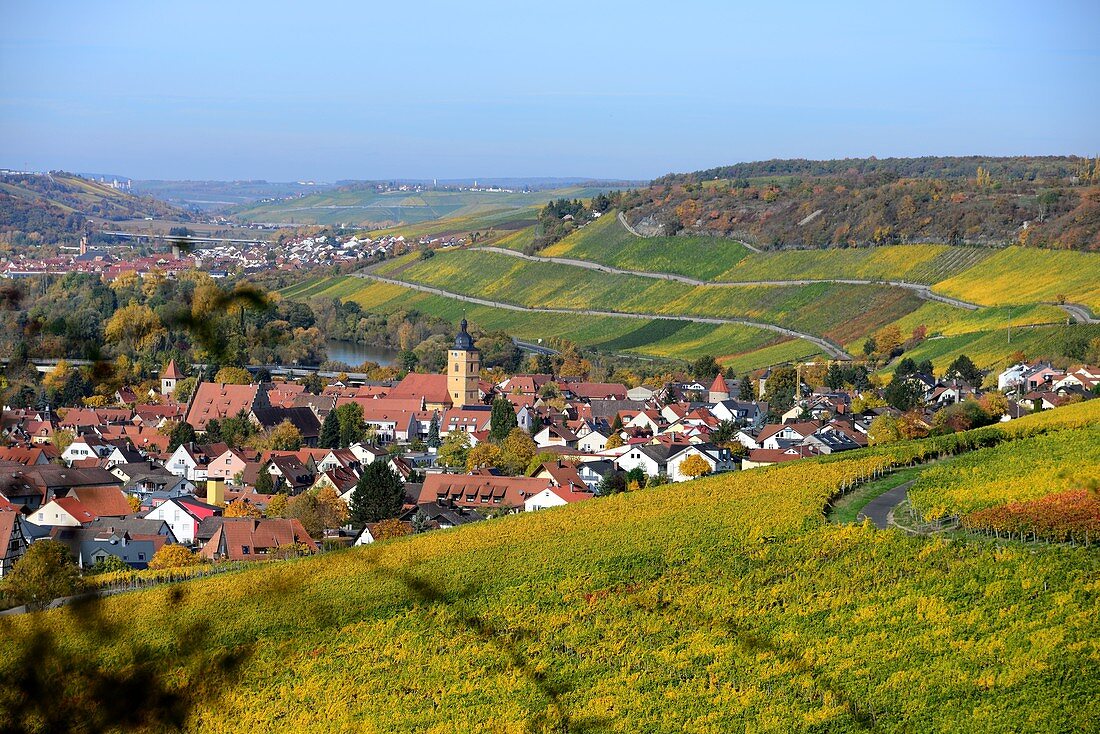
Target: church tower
pixel 463 367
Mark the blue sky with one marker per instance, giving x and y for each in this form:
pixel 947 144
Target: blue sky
pixel 334 90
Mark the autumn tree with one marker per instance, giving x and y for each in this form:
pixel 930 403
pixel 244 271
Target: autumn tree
pixel 392 528
pixel 484 455
pixel 695 466
pixel 135 328
pixel 454 449
pixel 277 505
pixel 994 403
pixel 242 508
pixel 883 429
pixel 518 449
pixel 171 555
pixel 233 376
pixel 285 437
pixel 318 510
pixel 44 573
pixel 614 441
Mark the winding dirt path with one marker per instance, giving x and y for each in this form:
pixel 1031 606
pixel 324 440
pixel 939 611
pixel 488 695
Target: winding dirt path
pixel 828 347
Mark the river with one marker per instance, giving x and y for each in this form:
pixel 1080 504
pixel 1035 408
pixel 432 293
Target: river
pixel 355 354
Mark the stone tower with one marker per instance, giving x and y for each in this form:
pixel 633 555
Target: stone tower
pixel 463 369
pixel 168 379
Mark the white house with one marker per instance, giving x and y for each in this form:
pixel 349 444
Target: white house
pixel 86 447
pixel 592 440
pixel 183 516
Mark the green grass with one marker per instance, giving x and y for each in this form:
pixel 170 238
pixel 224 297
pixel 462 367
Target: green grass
pixel 655 610
pixel 740 347
pixel 847 508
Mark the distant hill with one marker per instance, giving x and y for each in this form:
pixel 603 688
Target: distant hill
pixel 215 195
pixel 370 206
pixel 59 207
pixel 1044 201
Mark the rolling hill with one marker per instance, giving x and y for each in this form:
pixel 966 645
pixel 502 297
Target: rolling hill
pixel 363 205
pixel 715 605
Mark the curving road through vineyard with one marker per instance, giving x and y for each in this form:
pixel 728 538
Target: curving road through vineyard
pixel 826 346
pixel 922 291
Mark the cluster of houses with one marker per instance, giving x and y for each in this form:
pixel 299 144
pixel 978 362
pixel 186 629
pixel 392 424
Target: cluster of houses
pixel 117 488
pixel 218 261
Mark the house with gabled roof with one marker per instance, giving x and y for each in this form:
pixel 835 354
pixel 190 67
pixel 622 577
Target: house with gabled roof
pixel 480 491
pixel 183 515
pixel 13 541
pixel 251 539
pixel 215 400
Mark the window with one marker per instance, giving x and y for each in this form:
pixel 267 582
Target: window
pixel 141 556
pixel 244 550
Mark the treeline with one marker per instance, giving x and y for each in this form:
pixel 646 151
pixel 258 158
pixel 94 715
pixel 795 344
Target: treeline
pixel 1020 168
pixel 854 208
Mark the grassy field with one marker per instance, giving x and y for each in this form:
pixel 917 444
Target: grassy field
pixel 740 347
pixel 1018 275
pixel 851 312
pixel 656 610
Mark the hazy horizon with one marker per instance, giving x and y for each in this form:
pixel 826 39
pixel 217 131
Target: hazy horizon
pixel 250 91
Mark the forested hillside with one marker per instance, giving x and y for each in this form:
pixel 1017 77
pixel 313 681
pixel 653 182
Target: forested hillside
pixel 1048 202
pixel 56 207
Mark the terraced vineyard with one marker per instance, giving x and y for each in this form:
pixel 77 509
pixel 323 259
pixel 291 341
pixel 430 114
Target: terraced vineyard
pixel 716 605
pixel 1020 275
pixel 1026 469
pixel 853 310
pixel 740 347
pixel 606 241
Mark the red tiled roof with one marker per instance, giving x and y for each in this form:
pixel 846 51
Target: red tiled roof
pixel 103 501
pixel 432 388
pixel 480 490
pixel 172 372
pixel 216 400
pixel 76 508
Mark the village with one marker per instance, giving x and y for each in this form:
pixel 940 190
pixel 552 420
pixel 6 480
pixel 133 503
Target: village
pixel 348 464
pixel 219 260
